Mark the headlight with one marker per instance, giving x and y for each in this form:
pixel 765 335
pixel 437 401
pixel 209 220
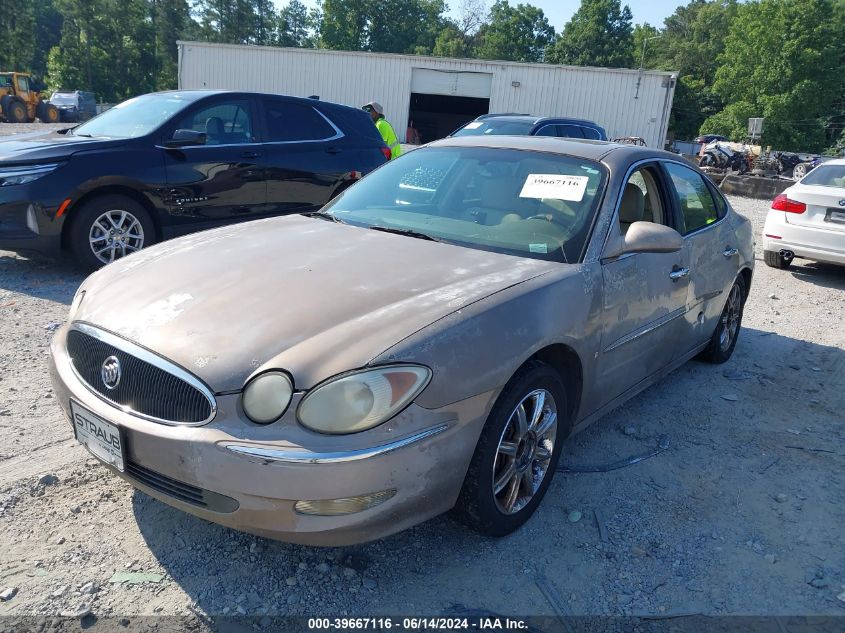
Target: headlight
pixel 361 400
pixel 22 175
pixel 267 396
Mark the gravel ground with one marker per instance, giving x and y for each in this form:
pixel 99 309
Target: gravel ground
pixel 739 516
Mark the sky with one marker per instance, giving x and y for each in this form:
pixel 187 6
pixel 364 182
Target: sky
pixel 560 11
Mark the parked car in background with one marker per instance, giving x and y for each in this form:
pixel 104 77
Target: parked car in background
pixel 334 377
pixel 807 220
pixel 706 139
pixel 171 163
pixel 74 106
pixel 526 125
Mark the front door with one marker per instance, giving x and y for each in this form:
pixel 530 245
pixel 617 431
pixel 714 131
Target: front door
pixel 221 181
pixel 645 294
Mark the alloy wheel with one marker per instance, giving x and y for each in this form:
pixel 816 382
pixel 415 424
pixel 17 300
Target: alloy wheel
pixel 115 234
pixel 730 318
pixel 525 451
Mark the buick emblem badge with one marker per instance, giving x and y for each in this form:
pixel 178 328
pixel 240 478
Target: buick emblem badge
pixel 110 372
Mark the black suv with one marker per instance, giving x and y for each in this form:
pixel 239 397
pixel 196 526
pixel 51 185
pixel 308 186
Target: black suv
pixel 527 125
pixel 170 163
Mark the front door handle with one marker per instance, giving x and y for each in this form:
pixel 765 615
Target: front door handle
pixel 678 273
pixel 332 150
pixel 730 252
pixel 250 155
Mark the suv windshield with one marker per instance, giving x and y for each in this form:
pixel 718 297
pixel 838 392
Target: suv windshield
pixel 492 126
pixel 135 117
pixel 826 176
pixel 63 99
pixel 518 202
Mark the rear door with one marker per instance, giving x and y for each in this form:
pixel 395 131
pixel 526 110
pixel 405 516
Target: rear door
pixel 823 192
pixel 305 155
pixel 221 181
pixel 711 244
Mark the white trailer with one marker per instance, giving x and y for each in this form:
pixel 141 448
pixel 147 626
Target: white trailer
pixel 435 95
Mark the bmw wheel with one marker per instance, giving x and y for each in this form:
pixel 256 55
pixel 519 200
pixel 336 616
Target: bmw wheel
pixel 108 228
pixel 517 453
pixel 799 171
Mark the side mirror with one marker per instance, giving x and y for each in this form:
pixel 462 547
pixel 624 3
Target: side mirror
pixel 185 138
pixel 644 237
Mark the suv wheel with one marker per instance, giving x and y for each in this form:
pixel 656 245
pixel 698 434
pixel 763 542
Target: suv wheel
pixel 107 228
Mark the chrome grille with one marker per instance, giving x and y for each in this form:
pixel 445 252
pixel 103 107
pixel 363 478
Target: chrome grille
pixel 146 387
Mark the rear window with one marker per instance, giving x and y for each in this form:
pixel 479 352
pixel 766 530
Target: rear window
pixel 826 176
pixel 494 127
pixel 288 121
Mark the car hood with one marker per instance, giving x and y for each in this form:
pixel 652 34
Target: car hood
pixel 40 146
pixel 306 295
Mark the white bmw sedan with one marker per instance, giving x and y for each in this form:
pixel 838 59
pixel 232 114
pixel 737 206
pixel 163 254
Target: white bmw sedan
pixel 807 220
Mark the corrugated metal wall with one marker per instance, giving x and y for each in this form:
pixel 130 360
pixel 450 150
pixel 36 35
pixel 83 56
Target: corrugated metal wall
pixel 624 102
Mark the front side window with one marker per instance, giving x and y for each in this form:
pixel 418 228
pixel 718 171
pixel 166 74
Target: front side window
pixel 570 131
pixel 517 202
pixel 641 200
pixel 224 123
pixel 23 84
pixel 696 203
pixel 826 176
pixel 288 121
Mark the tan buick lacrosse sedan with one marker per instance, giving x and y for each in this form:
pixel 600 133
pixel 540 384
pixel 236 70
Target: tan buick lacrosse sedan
pixel 426 342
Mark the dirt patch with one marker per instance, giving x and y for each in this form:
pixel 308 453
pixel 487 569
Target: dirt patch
pixel 743 513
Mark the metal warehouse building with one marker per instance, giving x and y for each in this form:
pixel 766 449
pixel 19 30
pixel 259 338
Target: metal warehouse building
pixel 435 95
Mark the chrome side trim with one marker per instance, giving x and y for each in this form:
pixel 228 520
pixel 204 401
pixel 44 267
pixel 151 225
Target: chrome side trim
pixel 309 457
pixel 646 329
pixel 142 353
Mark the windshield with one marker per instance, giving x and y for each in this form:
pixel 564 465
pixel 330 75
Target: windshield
pixel 135 117
pixel 518 202
pixel 492 126
pixel 826 176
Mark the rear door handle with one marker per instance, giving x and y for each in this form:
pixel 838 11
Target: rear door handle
pixel 729 252
pixel 250 155
pixel 678 273
pixel 332 150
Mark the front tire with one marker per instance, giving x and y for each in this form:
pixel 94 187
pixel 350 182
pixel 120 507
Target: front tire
pixel 517 453
pixel 799 171
pixel 17 112
pixel 108 228
pixel 724 338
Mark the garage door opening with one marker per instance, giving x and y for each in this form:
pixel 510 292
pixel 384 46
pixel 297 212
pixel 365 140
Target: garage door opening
pixel 435 116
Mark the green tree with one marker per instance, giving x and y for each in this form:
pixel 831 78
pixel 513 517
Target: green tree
pixel 599 34
pixel 227 21
pixel 783 60
pixel 451 42
pixel 170 21
pixel 344 25
pixel 17 45
pixel 295 26
pixel 48 32
pixel 521 33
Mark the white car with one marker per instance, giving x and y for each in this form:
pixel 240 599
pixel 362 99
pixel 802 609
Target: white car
pixel 808 219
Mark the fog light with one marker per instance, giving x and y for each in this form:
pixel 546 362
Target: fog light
pixel 31 221
pixel 347 505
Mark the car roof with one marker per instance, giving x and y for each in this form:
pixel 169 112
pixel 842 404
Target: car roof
pixel 603 151
pixel 196 95
pixel 528 118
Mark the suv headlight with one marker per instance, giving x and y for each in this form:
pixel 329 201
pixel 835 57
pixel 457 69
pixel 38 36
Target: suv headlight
pixel 361 400
pixel 22 175
pixel 267 396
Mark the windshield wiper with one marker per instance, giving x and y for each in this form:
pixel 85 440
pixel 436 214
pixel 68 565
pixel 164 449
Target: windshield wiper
pixel 84 135
pixel 322 215
pixel 405 232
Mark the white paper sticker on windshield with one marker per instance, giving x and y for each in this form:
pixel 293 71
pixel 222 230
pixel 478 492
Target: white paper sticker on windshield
pixel 474 125
pixel 555 186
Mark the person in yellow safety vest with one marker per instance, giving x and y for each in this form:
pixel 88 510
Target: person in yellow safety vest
pixel 384 128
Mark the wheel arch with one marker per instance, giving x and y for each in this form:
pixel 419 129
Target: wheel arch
pixel 746 273
pixel 108 190
pixel 566 362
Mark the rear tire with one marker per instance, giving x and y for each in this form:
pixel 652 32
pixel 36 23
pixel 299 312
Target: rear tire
pixel 776 260
pixel 516 454
pixel 51 114
pixel 107 228
pixel 16 112
pixel 724 338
